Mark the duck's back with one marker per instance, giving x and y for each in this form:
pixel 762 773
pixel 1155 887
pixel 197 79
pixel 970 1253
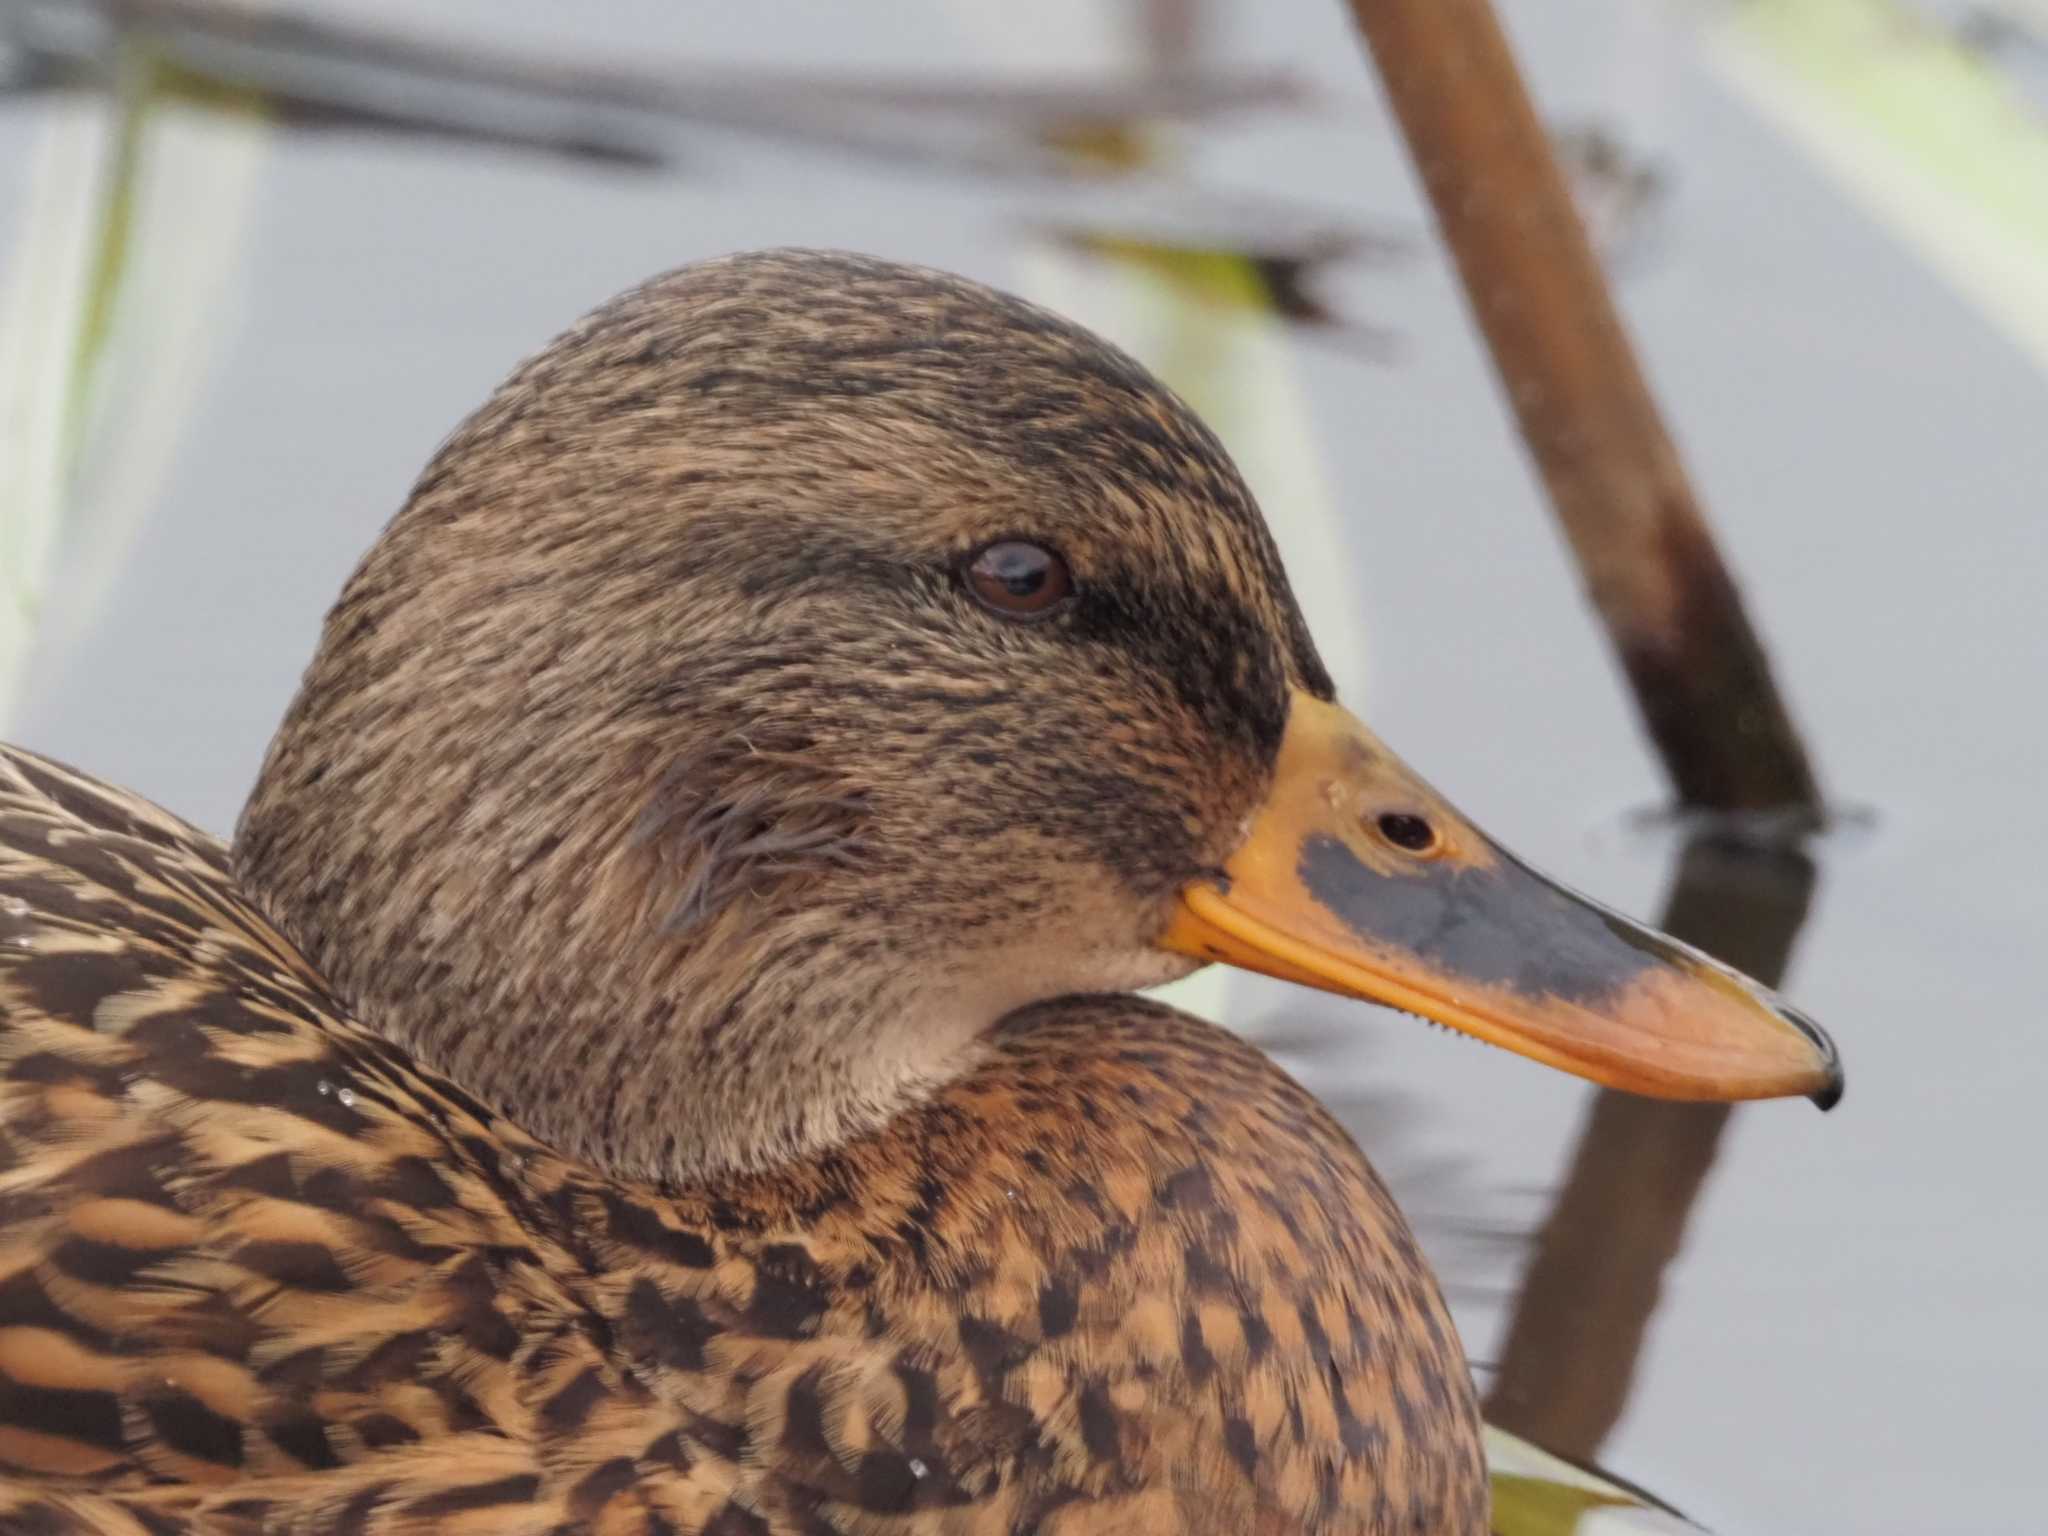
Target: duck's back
pixel 259 1272
pixel 243 1245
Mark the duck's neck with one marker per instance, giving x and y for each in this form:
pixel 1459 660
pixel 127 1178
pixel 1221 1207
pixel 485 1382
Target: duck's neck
pixel 759 1041
pixel 769 1044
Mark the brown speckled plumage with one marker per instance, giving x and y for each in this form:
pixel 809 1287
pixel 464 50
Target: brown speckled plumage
pixel 651 1061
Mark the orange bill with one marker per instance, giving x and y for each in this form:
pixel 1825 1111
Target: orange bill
pixel 1357 877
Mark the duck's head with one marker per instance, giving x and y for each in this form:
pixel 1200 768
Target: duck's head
pixel 807 661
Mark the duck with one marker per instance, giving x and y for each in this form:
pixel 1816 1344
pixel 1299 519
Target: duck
pixel 662 1051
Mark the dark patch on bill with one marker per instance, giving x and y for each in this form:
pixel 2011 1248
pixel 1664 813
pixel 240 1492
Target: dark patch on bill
pixel 1501 926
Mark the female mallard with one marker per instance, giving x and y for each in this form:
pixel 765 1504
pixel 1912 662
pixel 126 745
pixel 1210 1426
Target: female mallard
pixel 657 1055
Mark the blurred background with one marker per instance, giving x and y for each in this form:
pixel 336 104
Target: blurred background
pixel 257 259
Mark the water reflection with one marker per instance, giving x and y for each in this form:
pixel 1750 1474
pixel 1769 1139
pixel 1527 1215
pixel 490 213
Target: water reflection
pixel 1281 273
pixel 305 71
pixel 1595 1273
pixel 110 68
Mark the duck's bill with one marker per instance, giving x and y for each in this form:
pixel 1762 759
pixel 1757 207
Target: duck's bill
pixel 1358 878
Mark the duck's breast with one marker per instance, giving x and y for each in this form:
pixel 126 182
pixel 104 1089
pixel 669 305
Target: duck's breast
pixel 1126 1277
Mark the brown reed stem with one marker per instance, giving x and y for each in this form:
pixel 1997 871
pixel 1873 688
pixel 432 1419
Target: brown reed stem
pixel 1700 677
pixel 1701 681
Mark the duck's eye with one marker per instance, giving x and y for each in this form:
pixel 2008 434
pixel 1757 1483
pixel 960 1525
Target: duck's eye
pixel 1406 831
pixel 1019 579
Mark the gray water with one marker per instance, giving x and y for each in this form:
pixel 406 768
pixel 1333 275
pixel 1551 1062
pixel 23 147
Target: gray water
pixel 1851 1336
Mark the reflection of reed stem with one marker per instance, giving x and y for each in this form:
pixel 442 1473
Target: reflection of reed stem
pixel 1569 1358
